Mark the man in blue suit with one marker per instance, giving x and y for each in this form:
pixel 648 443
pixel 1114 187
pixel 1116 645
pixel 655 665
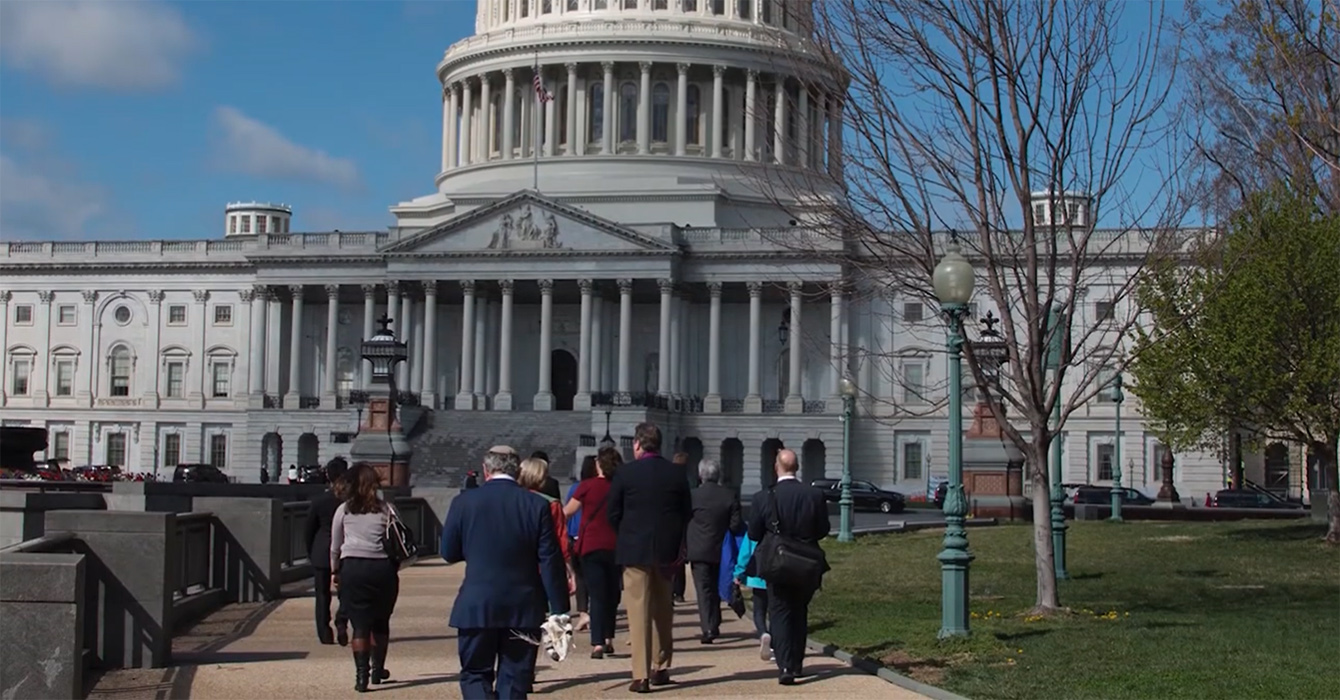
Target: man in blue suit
pixel 514 578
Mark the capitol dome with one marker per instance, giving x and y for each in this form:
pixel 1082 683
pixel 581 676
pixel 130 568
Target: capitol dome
pixel 611 104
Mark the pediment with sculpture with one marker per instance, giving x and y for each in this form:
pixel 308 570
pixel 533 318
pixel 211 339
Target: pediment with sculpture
pixel 528 224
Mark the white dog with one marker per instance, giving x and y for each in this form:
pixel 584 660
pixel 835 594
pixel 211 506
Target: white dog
pixel 555 637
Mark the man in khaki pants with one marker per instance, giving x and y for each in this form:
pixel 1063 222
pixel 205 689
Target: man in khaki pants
pixel 649 506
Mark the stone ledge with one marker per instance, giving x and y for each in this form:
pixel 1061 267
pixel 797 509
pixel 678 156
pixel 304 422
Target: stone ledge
pixel 884 673
pixel 42 577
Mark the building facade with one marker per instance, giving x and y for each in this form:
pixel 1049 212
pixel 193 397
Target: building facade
pixel 597 250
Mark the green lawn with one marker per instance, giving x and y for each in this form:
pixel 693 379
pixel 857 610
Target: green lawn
pixel 1180 610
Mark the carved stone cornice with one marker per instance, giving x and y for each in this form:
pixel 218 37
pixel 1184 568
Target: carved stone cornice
pixel 156 296
pixel 507 287
pixel 714 290
pixel 369 290
pixel 429 288
pixel 246 295
pixel 332 292
pixel 667 286
pixel 392 289
pixel 468 287
pixel 201 295
pixel 755 289
pixel 546 287
pixel 46 296
pixel 682 68
pixel 5 296
pixel 90 296
pixel 585 286
pixel 718 69
pixel 625 286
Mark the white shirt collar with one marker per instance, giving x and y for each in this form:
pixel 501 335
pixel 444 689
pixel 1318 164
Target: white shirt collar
pixel 788 477
pixel 504 477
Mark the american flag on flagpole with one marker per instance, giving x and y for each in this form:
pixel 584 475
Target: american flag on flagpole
pixel 540 92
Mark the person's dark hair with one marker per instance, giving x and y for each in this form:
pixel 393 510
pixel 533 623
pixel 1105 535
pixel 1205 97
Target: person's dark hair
pixel 540 454
pixel 608 459
pixel 648 437
pixel 363 483
pixel 335 469
pixel 588 468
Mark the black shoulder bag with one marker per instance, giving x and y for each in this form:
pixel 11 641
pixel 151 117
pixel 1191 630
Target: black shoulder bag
pixel 785 560
pixel 398 542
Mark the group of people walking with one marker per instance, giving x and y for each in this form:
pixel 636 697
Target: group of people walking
pixel 622 535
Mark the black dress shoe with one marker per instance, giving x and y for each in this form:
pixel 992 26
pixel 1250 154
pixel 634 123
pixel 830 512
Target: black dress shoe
pixel 787 678
pixel 706 639
pixel 642 686
pixel 325 636
pixel 342 635
pixel 660 678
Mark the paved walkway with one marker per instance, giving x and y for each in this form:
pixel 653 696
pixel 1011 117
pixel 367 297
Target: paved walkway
pixel 270 651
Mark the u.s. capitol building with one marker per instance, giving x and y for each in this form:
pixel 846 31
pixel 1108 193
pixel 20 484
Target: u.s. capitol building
pixel 610 243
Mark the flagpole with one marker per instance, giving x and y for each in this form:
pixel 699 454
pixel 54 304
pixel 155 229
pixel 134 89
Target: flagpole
pixel 539 117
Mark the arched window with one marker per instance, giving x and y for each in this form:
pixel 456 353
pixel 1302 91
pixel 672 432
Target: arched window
pixel 120 364
pixel 597 111
pixel 693 121
pixel 495 131
pixel 660 113
pixel 561 110
pixel 627 112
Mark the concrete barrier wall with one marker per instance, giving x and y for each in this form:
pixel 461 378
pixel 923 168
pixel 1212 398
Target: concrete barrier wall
pixel 23 513
pixel 42 604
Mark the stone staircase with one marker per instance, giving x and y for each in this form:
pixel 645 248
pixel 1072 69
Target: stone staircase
pixel 447 444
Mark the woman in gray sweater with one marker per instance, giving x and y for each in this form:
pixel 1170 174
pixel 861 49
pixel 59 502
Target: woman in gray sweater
pixel 368 582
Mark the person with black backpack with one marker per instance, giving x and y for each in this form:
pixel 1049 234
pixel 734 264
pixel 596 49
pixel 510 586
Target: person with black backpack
pixel 788 520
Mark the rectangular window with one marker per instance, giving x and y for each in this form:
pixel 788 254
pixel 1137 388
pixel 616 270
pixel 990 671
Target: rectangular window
pixel 65 315
pixel 246 224
pixel 116 449
pixel 120 385
pixel 1103 311
pixel 171 450
pixel 274 225
pixel 218 451
pixel 64 377
pixel 260 224
pixel 60 445
pixel 914 383
pixel 912 460
pixel 660 4
pixel 1040 214
pixel 1104 379
pixel 222 380
pixel 630 4
pixel 232 224
pixel 23 315
pixel 176 378
pixel 223 315
pixel 177 315
pixel 690 5
pixel 23 369
pixel 912 312
pixel 1072 213
pixel 1105 454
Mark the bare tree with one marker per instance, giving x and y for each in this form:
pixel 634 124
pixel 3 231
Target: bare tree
pixel 956 114
pixel 1264 79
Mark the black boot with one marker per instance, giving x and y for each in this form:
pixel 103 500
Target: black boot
pixel 361 662
pixel 380 645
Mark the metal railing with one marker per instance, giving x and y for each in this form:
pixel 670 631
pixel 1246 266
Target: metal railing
pixel 196 540
pixel 293 542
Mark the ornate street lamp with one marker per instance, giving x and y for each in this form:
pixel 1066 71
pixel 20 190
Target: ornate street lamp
pixel 384 353
pixel 953 281
pixel 1117 397
pixel 784 328
pixel 848 391
pixel 607 441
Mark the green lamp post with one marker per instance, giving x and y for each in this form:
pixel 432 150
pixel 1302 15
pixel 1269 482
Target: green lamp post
pixel 1057 490
pixel 1117 398
pixel 953 281
pixel 848 391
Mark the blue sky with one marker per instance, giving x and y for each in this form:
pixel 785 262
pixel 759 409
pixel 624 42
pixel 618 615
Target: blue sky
pixel 141 119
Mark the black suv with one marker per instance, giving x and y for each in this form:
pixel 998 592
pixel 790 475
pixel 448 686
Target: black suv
pixel 1102 495
pixel 1246 498
pixel 864 495
pixel 199 473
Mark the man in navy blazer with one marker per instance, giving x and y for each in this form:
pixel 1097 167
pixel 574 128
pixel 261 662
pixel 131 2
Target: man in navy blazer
pixel 514 578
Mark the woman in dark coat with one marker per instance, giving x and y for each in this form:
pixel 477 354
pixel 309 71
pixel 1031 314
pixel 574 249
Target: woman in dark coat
pixel 320 513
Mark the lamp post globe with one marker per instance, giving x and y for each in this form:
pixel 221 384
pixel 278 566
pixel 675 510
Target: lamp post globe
pixel 1118 396
pixel 848 391
pixel 953 281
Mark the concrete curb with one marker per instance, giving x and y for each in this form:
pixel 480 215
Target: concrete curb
pixel 904 526
pixel 874 668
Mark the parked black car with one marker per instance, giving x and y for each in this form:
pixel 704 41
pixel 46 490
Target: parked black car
pixel 1246 498
pixel 864 495
pixel 1102 495
pixel 198 473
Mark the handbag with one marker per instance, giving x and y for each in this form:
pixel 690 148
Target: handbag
pixel 785 560
pixel 398 542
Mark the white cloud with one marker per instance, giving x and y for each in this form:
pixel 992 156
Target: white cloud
pixel 128 45
pixel 22 134
pixel 38 202
pixel 251 147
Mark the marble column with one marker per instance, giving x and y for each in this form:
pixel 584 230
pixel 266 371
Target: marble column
pixel 582 402
pixel 597 342
pixel 404 372
pixel 202 375
pixel 509 109
pixel 503 400
pixel 570 133
pixel 751 117
pixel 274 343
pixel 712 402
pixel 667 288
pixel 779 122
pixel 465 396
pixel 607 124
pixel 803 125
pixel 795 399
pixel 428 387
pixel 393 307
pixel 481 347
pixel 677 326
pixel 682 109
pixel 293 396
pixel 256 363
pixel 550 127
pixel 753 402
pixel 453 124
pixel 484 134
pixel 491 350
pixel 446 128
pixel 835 347
pixel 834 137
pixel 718 110
pixel 644 110
pixel 328 398
pixel 465 140
pixel 369 317
pixel 625 337
pixel 544 397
